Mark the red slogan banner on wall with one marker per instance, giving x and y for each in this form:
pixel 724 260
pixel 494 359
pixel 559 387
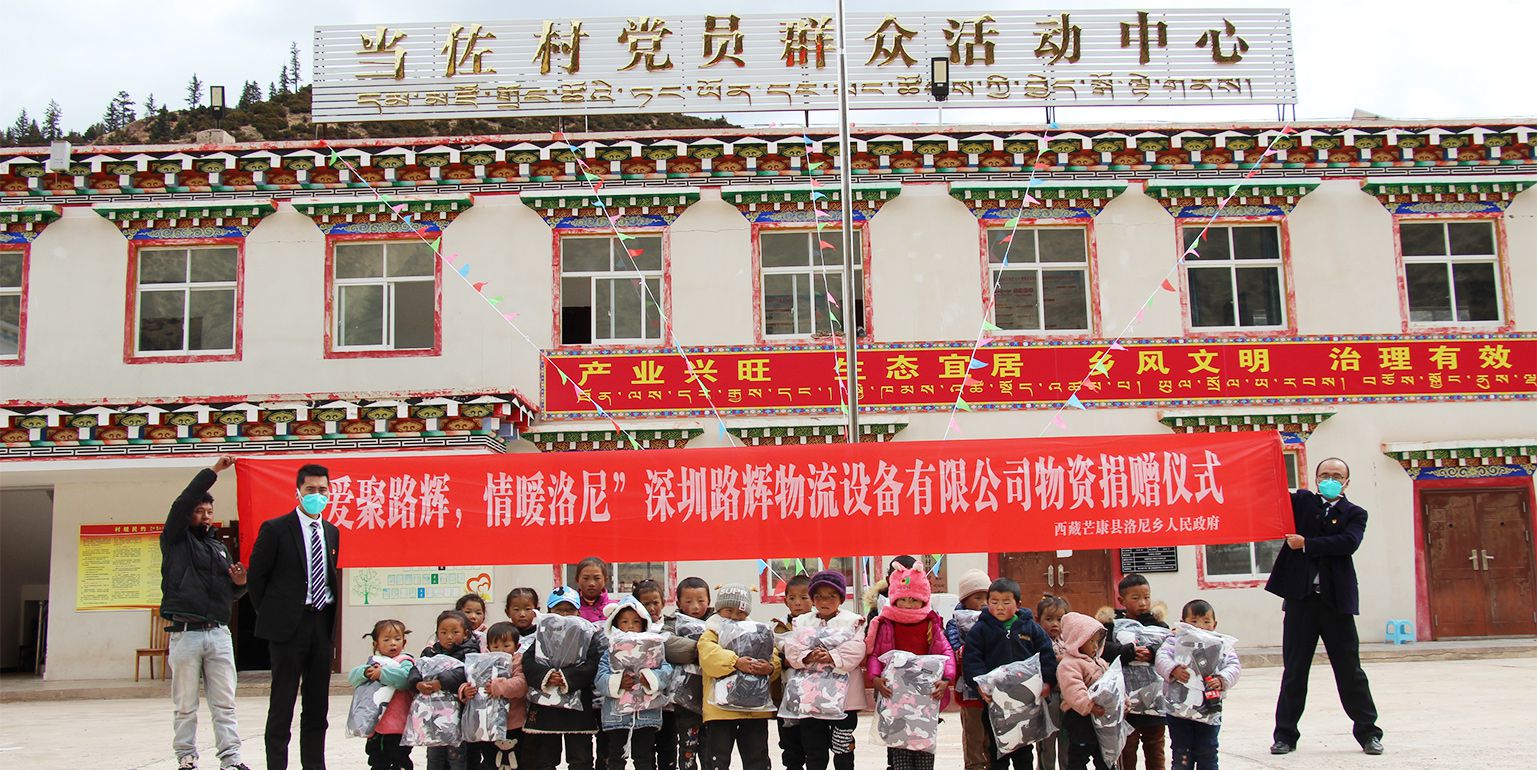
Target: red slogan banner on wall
pixel 770 502
pixel 1016 373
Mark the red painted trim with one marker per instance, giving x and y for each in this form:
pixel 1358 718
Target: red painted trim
pixel 557 233
pixel 1502 265
pixel 1092 279
pixel 865 253
pixel 1288 285
pixel 300 397
pixel 21 319
pixel 1206 582
pixel 330 300
pixel 1423 629
pixel 131 355
pixel 669 594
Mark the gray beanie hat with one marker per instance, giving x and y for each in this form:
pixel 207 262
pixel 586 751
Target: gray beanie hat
pixel 733 595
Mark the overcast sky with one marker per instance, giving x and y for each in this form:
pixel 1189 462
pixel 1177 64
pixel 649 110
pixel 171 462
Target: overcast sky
pixel 1404 59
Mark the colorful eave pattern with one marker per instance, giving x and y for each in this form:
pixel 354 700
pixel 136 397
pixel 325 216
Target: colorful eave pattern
pixel 704 157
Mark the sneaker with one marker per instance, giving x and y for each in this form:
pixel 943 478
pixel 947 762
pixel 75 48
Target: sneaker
pixel 187 763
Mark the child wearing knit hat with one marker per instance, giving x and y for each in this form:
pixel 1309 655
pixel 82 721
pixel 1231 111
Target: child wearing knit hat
pixel 746 731
pixel 909 624
pixel 973 598
pixel 825 740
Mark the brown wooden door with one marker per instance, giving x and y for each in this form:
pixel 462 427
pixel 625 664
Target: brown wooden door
pixel 1081 577
pixel 1479 560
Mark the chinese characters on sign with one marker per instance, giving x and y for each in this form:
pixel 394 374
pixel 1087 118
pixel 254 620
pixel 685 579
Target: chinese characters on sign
pixel 741 502
pixel 706 62
pixel 118 567
pixel 1147 373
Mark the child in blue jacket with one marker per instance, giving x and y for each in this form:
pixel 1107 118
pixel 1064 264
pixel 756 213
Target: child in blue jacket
pixel 1007 633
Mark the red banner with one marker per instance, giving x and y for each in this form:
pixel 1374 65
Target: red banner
pixel 1013 373
pixel 781 501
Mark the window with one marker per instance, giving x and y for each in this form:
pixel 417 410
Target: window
pixel 1235 277
pixel 1451 271
pixel 186 300
pixel 1244 561
pixel 602 297
pixel 1044 285
pixel 780 571
pixel 623 575
pixel 11 269
pixel 799 275
pixel 385 296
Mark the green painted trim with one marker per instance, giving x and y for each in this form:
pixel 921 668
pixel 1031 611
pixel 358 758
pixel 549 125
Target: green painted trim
pixel 183 211
pixel 576 200
pixel 28 214
pixel 1480 185
pixel 802 194
pixel 442 205
pixel 1247 187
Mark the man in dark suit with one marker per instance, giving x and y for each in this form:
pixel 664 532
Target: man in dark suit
pixel 295 585
pixel 1315 575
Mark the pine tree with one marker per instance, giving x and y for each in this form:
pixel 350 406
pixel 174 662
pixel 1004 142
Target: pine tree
pixel 194 92
pixel 293 65
pixel 272 91
pixel 150 107
pixel 24 131
pixel 160 127
pixel 52 118
pixel 250 94
pixel 119 112
pixel 283 80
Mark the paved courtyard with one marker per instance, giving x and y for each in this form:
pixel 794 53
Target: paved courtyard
pixel 1436 714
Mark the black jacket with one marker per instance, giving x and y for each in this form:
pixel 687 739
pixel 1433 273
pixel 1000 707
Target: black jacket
pixel 194 565
pixel 990 645
pixel 579 678
pixel 449 679
pixel 1330 543
pixel 279 575
pixel 1127 652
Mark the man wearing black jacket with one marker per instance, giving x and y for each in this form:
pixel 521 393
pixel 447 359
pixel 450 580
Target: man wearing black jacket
pixel 295 586
pixel 199 582
pixel 1314 573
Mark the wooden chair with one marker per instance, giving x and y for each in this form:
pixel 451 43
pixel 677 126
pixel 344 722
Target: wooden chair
pixel 159 647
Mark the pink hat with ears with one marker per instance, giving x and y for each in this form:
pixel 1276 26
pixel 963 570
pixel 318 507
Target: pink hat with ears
pixel 909 582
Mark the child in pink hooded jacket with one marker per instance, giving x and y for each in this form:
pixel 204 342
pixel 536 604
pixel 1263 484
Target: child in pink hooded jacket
pixel 1083 638
pixel 909 624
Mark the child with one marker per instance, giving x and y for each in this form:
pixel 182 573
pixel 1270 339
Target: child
pixel 908 624
pixel 1049 612
pixel 1195 743
pixel 1137 598
pixel 474 607
pixel 549 728
pixel 824 739
pixel 502 755
pixel 797 603
pixel 1083 638
pixel 592 583
pixel 639 728
pixel 383 747
pixel 522 608
pixel 973 596
pixel 453 640
pixel 693 597
pixel 1006 634
pixel 649 593
pixel 724 728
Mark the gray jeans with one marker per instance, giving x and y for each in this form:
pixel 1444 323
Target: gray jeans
pixel 206 656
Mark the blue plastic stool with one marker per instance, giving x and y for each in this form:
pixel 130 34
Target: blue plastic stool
pixel 1400 632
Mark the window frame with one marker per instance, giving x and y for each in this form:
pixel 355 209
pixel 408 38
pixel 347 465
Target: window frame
pixel 760 335
pixel 25 249
pixel 1254 579
pixel 1091 278
pixel 766 584
pixel 1501 271
pixel 1288 298
pixel 664 324
pixel 668 585
pixel 332 351
pixel 136 249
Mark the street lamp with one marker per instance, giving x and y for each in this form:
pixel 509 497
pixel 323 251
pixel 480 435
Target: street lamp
pixel 216 102
pixel 939 78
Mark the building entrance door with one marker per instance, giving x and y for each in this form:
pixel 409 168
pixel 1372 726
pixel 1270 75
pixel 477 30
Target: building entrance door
pixel 1478 547
pixel 1084 578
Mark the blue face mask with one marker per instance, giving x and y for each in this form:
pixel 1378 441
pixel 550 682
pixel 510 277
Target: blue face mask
pixel 313 504
pixel 1331 489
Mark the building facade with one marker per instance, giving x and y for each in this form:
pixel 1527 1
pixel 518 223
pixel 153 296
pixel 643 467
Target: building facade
pixel 1369 286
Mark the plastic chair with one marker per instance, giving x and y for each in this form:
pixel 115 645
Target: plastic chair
pixel 1400 632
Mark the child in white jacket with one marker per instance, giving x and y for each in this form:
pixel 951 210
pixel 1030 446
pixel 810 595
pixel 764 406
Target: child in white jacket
pixel 1194 742
pixel 825 739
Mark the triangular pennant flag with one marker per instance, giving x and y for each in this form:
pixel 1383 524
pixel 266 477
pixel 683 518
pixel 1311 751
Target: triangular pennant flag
pixel 636 252
pixel 509 316
pixel 762 565
pixel 334 159
pixel 1136 319
pixel 960 403
pixel 1056 420
pixel 397 208
pixel 1053 125
pixel 1288 130
pixel 464 270
pixel 1166 286
pixel 800 566
pixel 975 364
pixel 1073 402
pixel 826 245
pixel 814 165
pixel 1102 366
pixel 990 327
pixel 437 244
pixel 625 237
pixel 497 300
pixel 830 300
pixel 818 195
pixel 408 219
pixel 633 443
pixel 560 136
pixel 1031 200
pixel 1043 167
pixel 479 285
pixel 953 426
pixel 1006 238
pixel 968 381
pixel 1013 223
pixel 939 559
pixel 564 380
pixel 452 258
pixel 1117 346
pixel 424 230
pixel 983 340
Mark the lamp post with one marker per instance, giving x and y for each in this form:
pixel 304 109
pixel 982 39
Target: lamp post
pixel 939 83
pixel 216 104
pixel 845 189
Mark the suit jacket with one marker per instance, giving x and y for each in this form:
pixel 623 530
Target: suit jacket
pixel 278 578
pixel 1330 543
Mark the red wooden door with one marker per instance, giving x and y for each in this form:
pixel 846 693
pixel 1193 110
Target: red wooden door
pixel 1457 606
pixel 1081 577
pixel 1479 556
pixel 1505 561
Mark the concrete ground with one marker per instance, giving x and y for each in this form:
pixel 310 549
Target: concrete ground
pixel 1436 714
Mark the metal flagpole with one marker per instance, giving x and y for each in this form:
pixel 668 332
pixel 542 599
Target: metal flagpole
pixel 850 308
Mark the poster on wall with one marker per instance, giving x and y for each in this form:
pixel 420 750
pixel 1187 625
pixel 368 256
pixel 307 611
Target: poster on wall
pixel 119 567
pixel 416 585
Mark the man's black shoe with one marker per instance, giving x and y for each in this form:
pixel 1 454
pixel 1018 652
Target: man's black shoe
pixel 1372 747
pixel 1282 747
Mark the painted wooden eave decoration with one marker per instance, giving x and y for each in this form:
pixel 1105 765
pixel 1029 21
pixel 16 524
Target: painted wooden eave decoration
pixel 819 433
pixel 984 197
pixel 1466 459
pixel 22 224
pixel 386 214
pixel 647 206
pixel 1442 195
pixel 186 219
pixel 757 202
pixel 1243 197
pixel 576 440
pixel 1295 427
